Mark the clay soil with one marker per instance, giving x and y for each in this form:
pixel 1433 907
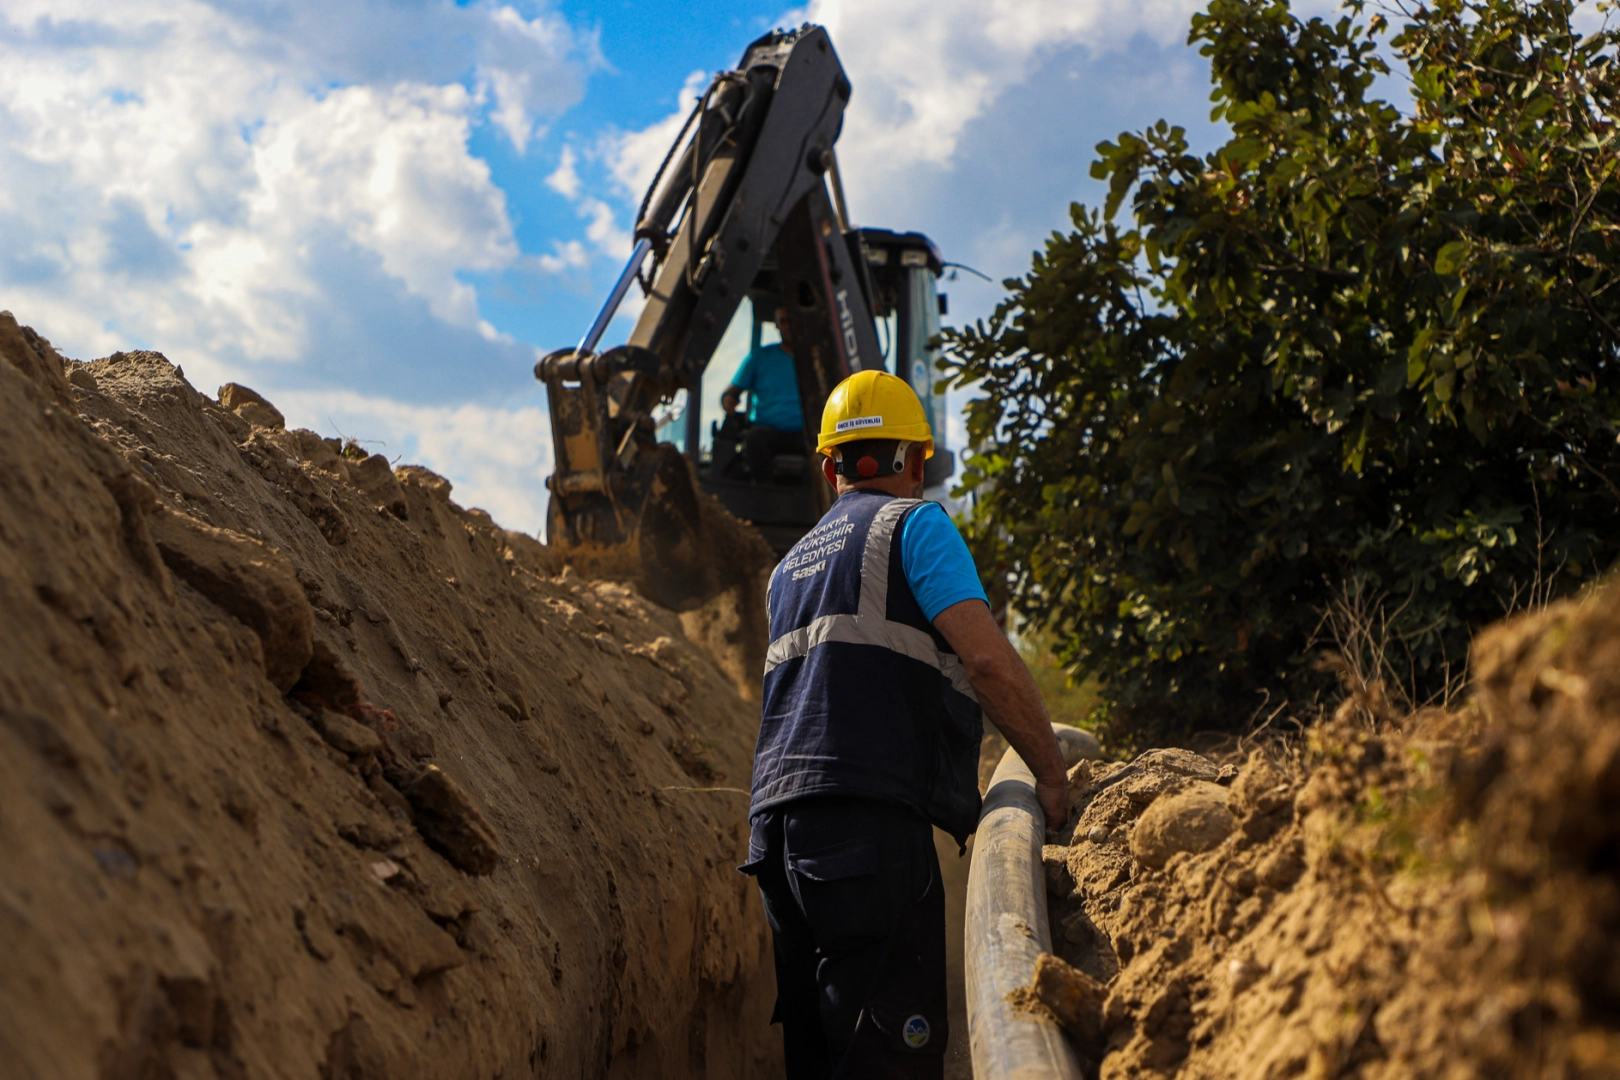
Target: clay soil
pixel 1431 895
pixel 306 771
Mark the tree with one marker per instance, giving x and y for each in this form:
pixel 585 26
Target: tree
pixel 1354 349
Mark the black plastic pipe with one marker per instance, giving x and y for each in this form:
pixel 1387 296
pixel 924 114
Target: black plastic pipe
pixel 1007 929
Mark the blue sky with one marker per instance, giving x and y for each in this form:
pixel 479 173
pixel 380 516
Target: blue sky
pixel 377 213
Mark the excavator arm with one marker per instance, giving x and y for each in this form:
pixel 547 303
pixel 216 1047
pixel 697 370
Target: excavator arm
pixel 746 179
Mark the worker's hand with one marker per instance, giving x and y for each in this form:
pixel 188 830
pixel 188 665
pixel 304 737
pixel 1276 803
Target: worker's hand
pixel 1054 798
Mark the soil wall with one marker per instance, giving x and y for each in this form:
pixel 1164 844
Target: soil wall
pixel 306 771
pixel 1385 896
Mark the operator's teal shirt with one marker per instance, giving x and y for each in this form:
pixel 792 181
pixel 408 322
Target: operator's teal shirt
pixel 773 387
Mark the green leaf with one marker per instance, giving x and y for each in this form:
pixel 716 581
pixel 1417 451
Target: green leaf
pixel 1450 259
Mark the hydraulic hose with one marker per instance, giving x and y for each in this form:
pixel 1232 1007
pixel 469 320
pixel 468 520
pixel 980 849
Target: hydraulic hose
pixel 1007 929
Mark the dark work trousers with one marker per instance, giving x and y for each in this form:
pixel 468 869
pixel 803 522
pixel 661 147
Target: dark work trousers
pixel 857 910
pixel 761 444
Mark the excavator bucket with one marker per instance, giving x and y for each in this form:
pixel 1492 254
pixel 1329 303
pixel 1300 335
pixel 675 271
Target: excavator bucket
pixel 675 570
pixel 627 508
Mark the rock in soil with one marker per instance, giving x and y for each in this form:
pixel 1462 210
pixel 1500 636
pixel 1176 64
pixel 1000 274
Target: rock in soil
pixel 250 406
pixel 248 581
pixel 375 479
pixel 349 736
pixel 449 821
pixel 1194 819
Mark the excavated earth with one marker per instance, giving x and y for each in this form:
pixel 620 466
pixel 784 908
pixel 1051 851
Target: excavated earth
pixel 1435 895
pixel 306 771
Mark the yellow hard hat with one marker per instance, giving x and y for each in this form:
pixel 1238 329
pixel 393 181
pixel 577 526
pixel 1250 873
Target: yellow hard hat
pixel 873 405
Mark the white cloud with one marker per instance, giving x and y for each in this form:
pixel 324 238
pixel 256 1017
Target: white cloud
pixel 626 161
pixel 603 229
pixel 390 169
pixel 565 180
pixel 190 176
pixel 507 65
pixel 633 157
pixel 565 255
pixel 496 458
pixel 924 70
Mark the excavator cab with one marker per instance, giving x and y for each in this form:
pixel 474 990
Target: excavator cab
pixel 907 306
pixel 745 223
pixel 903 270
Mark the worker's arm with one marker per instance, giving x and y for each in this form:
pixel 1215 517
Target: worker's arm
pixel 731 400
pixel 1009 697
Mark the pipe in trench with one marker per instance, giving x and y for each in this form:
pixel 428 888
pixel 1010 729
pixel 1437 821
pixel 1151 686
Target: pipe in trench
pixel 1007 929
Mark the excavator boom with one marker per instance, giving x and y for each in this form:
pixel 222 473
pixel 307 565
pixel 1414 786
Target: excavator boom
pixel 739 209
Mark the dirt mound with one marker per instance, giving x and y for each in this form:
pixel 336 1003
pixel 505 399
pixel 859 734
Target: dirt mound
pixel 307 771
pixel 1432 897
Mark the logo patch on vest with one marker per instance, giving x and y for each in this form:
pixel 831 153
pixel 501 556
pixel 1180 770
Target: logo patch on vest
pixel 915 1032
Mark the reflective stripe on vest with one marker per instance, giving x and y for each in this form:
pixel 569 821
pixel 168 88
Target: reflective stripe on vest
pixel 871 625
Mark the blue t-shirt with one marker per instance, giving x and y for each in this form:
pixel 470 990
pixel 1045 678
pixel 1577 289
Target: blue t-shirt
pixel 936 561
pixel 773 398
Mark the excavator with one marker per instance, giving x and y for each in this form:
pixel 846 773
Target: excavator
pixel 745 223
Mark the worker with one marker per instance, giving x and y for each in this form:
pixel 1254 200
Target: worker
pixel 776 421
pixel 883 652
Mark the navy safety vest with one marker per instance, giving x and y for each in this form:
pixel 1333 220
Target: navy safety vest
pixel 862 695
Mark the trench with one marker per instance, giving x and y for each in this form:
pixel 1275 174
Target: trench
pixel 308 770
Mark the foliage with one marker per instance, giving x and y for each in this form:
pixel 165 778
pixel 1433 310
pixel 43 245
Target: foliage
pixel 1352 344
pixel 1067 701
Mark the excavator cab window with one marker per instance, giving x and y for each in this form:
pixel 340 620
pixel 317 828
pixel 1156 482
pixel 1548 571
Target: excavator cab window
pixel 903 274
pixel 691 429
pixel 723 442
pixel 782 504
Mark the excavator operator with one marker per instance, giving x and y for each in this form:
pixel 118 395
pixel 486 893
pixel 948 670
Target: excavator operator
pixel 776 423
pixel 883 658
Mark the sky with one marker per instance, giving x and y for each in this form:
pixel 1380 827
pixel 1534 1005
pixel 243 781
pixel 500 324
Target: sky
pixel 378 214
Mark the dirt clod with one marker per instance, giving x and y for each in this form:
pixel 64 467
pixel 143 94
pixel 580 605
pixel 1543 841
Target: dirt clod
pixel 250 406
pixel 246 580
pixel 34 358
pixel 1075 998
pixel 342 733
pixel 375 479
pixel 1185 762
pixel 1195 819
pixel 449 821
